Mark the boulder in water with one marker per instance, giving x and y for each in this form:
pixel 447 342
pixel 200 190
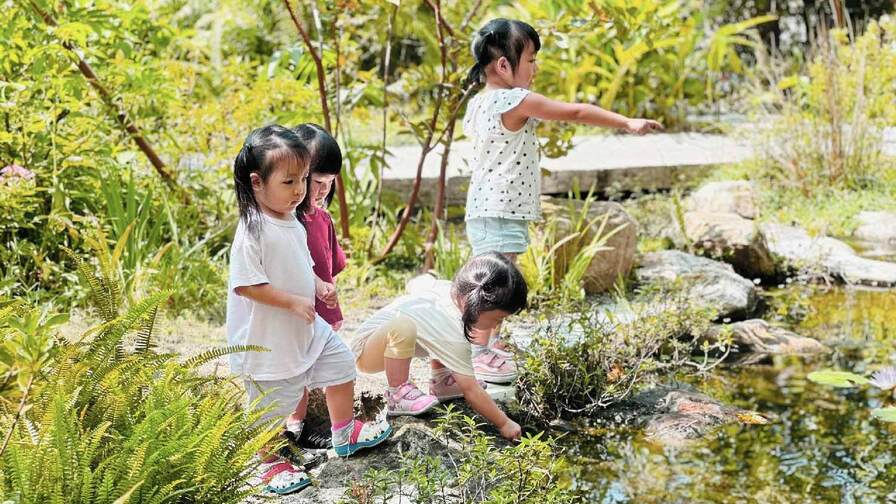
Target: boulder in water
pixel 730 238
pixel 826 257
pixel 708 283
pixel 876 227
pixel 673 416
pixel 758 336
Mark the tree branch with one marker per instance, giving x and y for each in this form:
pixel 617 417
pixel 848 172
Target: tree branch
pixel 120 113
pixel 325 110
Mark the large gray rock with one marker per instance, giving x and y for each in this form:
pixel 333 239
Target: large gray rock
pixel 675 416
pixel 707 282
pixel 877 227
pixel 758 336
pixel 731 238
pixel 607 266
pixel 737 197
pixel 826 257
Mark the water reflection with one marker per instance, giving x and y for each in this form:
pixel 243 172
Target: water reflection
pixel 824 446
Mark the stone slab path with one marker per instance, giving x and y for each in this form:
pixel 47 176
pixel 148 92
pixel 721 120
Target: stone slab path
pixel 611 162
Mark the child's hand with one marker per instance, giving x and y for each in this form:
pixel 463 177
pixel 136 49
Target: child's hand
pixel 326 292
pixel 511 430
pixel 642 126
pixel 303 308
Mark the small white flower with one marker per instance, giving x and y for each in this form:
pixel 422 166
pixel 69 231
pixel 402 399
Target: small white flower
pixel 884 379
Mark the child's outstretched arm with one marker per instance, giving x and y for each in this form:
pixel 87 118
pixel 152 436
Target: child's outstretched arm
pixel 483 404
pixel 265 294
pixel 540 107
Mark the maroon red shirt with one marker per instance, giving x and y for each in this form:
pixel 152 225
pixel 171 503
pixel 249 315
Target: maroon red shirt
pixel 329 259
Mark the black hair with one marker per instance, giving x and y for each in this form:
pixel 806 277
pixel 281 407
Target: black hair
pixel 488 282
pixel 326 157
pixel 500 37
pixel 262 151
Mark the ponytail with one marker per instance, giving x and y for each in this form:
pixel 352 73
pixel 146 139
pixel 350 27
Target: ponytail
pixel 499 38
pixel 488 282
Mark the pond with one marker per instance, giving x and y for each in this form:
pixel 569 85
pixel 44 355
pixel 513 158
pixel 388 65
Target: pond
pixel 823 445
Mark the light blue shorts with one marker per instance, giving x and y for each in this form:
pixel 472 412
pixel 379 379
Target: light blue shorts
pixel 494 234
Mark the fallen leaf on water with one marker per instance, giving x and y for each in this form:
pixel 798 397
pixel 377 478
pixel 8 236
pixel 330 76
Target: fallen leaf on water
pixel 752 418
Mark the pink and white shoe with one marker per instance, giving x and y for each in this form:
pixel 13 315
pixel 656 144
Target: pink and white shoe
pixel 495 366
pixel 409 400
pixel 445 387
pixel 281 477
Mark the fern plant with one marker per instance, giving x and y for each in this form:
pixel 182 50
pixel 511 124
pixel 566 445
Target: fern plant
pixel 108 422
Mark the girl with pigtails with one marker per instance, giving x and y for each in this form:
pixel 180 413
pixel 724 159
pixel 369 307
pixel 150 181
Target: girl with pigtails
pixel 442 320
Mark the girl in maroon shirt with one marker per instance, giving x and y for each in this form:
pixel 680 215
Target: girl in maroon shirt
pixel 325 164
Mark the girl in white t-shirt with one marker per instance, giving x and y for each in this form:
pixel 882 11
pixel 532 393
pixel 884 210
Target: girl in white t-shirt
pixel 270 303
pixel 505 184
pixel 441 319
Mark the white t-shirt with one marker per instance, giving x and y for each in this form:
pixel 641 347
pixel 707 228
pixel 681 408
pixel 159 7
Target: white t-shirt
pixel 278 256
pixel 440 329
pixel 506 180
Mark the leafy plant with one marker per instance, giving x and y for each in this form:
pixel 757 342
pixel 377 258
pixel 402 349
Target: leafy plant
pixel 884 379
pixel 582 363
pixel 475 468
pixel 561 252
pixel 106 424
pixel 451 251
pixel 823 124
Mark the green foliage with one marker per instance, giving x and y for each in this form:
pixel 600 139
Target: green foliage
pixel 104 424
pixel 451 251
pixel 842 379
pixel 475 469
pixel 577 365
pixel 885 414
pixel 823 126
pixel 561 251
pixel 640 58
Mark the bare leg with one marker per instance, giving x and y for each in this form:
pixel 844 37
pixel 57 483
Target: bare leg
pixel 436 364
pixel 397 371
pixel 301 409
pixel 341 402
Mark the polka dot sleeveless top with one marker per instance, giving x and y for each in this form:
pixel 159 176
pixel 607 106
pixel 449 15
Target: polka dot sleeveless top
pixel 506 180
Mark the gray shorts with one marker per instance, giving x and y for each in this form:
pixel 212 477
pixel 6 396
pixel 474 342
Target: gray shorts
pixel 334 366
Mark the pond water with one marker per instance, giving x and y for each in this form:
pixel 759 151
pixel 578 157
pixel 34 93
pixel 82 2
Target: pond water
pixel 823 446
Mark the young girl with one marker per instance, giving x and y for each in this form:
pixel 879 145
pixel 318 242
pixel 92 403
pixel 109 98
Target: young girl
pixel 505 185
pixel 441 319
pixel 325 162
pixel 270 303
pixel 329 259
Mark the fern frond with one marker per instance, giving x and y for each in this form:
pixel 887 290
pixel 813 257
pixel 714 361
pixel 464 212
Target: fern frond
pixel 105 296
pixel 144 336
pixel 216 353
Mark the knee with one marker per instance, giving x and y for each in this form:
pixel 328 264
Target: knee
pixel 402 339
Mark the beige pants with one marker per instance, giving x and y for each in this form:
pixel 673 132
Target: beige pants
pixel 395 340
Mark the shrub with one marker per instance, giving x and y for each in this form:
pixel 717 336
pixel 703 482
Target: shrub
pixel 822 128
pixel 579 364
pixel 106 419
pixel 476 470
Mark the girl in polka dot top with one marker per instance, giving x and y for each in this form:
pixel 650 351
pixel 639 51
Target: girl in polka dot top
pixel 505 184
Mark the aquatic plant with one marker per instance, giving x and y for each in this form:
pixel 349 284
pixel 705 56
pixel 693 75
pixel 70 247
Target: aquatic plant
pixel 884 379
